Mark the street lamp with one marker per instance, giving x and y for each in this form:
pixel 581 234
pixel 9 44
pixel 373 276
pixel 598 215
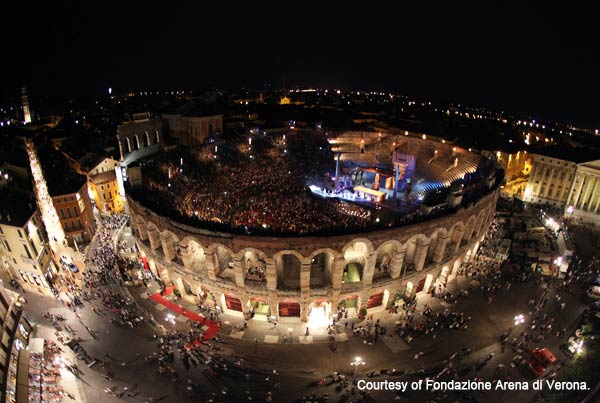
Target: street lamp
pixel 519 319
pixel 171 318
pixel 357 363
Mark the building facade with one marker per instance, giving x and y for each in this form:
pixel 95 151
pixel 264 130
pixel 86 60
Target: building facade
pixel 103 186
pixel 76 215
pixel 584 198
pixel 139 137
pixel 193 130
pixel 550 181
pixel 297 276
pixel 24 250
pixel 14 332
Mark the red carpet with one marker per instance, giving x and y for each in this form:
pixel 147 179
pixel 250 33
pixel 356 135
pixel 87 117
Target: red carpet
pixel 213 328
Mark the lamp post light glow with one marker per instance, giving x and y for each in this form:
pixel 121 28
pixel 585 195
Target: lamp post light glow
pixel 357 363
pixel 519 319
pixel 171 319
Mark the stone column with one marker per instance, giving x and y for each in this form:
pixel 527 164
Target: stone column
pixel 273 304
pixel 187 257
pixel 457 236
pixel 421 254
pixel 469 232
pixel 211 265
pixel 369 270
pixel 142 231
pixel 440 248
pixel 238 270
pixel 305 277
pixel 579 196
pixel 304 304
pixel 271 276
pixel 337 273
pixel 397 261
pixel 168 247
pixel 154 238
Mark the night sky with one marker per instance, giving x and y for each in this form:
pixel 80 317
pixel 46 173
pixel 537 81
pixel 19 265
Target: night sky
pixel 535 60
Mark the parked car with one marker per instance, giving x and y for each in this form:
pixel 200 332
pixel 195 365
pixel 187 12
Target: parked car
pixel 544 356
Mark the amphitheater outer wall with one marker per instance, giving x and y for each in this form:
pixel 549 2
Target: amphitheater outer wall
pixel 415 258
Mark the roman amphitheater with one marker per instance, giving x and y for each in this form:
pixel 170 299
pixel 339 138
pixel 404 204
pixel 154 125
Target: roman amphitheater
pixel 297 277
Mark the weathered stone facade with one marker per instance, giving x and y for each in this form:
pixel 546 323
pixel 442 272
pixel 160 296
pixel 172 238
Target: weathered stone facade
pixel 308 270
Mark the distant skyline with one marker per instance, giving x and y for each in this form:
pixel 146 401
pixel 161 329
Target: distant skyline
pixel 535 60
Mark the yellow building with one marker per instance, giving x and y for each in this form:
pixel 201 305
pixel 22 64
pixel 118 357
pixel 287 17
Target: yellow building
pixel 102 183
pixel 550 180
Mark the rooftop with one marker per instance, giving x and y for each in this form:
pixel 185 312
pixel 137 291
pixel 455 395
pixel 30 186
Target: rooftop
pixel 17 203
pixel 60 177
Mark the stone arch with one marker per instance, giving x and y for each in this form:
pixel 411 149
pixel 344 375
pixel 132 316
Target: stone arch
pixel 192 254
pixel 480 223
pixel 169 242
pixel 137 142
pixel 415 254
pixel 254 265
pixel 223 261
pixel 128 144
pixel 469 227
pixel 157 136
pixel 140 227
pixel 436 240
pixel 288 264
pixel 322 265
pixel 383 258
pixel 153 235
pixel 368 244
pixel 456 233
pixel 147 141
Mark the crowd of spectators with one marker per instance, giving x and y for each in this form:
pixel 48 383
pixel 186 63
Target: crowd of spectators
pixel 264 191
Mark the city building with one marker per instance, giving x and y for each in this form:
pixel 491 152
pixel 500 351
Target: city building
pixel 549 181
pixel 103 185
pixel 14 332
pixel 138 137
pixel 193 128
pixel 24 251
pixel 74 210
pixel 584 198
pixel 68 190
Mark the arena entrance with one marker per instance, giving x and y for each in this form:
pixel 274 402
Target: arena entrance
pixel 289 309
pixel 318 314
pixel 232 304
pixel 260 308
pixel 378 300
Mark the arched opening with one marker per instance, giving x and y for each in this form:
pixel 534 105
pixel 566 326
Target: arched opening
pixel 320 269
pixel 353 273
pixel 288 267
pixel 147 139
pixel 318 314
pixel 128 144
pixel 255 268
pixel 356 260
pixel 383 261
pixel 157 136
pixel 137 142
pixel 259 308
pixel 224 264
pixel 231 303
pixel 289 308
pixel 195 257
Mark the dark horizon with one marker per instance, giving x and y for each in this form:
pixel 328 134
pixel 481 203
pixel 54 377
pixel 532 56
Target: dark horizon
pixel 536 61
